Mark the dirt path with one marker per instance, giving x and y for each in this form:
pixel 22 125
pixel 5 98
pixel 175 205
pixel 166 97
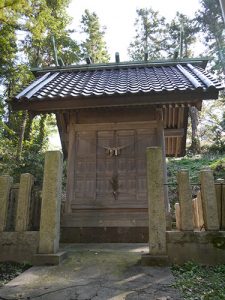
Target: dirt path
pixel 95 272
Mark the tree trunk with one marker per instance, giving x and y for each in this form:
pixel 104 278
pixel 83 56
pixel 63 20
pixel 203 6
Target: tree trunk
pixel 195 141
pixel 28 128
pixel 42 134
pixel 21 137
pixel 220 54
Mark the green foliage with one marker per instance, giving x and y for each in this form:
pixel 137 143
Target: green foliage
pixel 210 22
pixel 212 125
pixel 9 270
pixel 218 167
pixel 32 159
pixel 11 11
pixel 194 164
pixel 47 19
pixel 150 36
pixel 159 38
pixel 200 282
pixel 8 49
pixel 24 138
pixel 94 45
pixel 181 22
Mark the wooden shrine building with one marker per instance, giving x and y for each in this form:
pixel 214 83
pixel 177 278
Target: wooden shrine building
pixel 107 115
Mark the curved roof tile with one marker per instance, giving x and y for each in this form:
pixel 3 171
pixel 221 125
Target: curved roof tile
pixel 121 80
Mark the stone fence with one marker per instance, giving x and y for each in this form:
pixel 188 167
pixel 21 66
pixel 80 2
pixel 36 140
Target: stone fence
pixel 200 222
pixel 30 194
pixel 28 233
pixel 207 210
pixel 29 226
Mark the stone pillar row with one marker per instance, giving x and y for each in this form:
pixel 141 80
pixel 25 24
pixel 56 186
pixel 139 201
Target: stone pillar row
pixel 6 183
pixel 23 204
pixel 50 208
pixel 202 211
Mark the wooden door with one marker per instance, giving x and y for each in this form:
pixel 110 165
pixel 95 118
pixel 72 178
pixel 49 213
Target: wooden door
pixel 85 169
pixel 116 169
pixel 110 168
pixel 105 168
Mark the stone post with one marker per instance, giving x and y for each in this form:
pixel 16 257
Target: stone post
pixel 24 199
pixel 5 185
pixel 185 200
pixel 156 209
pixel 51 202
pixel 220 196
pixel 209 202
pixel 223 207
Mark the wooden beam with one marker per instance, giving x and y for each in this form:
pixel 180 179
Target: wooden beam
pixel 165 116
pixel 70 167
pixel 174 132
pixel 169 146
pixel 170 116
pixel 185 123
pixel 174 116
pixel 62 133
pixel 161 143
pixel 59 103
pixel 151 125
pixel 177 145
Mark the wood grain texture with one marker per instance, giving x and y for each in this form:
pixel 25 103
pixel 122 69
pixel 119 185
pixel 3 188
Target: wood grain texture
pixel 110 189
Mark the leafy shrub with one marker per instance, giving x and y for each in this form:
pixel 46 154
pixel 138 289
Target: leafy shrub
pixel 9 270
pixel 200 282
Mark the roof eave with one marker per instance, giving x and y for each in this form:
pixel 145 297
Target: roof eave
pixel 69 103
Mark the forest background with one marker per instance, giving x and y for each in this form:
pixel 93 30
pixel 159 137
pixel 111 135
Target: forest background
pixel 27 31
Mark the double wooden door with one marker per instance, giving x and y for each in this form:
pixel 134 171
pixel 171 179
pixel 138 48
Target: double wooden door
pixel 110 168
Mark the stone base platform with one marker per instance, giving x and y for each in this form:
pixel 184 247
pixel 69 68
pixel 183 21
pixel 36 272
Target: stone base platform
pixel 49 259
pixel 18 246
pixel 154 260
pixel 201 247
pixel 104 234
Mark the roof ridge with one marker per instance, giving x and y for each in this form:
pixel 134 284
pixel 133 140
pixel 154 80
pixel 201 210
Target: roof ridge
pixel 131 64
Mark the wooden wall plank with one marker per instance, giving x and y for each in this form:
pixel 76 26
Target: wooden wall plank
pixel 70 165
pixel 101 218
pixel 116 126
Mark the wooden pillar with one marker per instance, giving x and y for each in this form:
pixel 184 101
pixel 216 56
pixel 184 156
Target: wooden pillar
pixel 51 203
pixel 70 189
pixel 24 198
pixel 161 143
pixel 200 210
pixel 156 204
pixel 197 211
pixel 209 202
pixel 185 200
pixel 177 215
pixel 6 182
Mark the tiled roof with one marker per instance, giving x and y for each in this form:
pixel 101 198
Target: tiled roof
pixel 120 80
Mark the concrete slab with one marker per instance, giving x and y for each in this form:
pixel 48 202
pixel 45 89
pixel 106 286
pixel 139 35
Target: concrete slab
pixel 96 272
